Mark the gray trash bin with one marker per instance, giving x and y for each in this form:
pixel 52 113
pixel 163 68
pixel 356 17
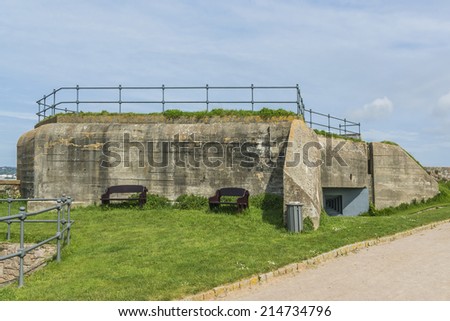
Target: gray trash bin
pixel 294 217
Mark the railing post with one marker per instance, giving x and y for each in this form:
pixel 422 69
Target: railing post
pixel 8 230
pixel 78 98
pixel 253 101
pixel 58 232
pixel 310 117
pixel 120 99
pixel 9 206
pixel 299 109
pixel 45 105
pixel 54 103
pixel 69 203
pixel 329 127
pixel 22 245
pixel 63 216
pixel 207 97
pixel 163 98
pixel 345 127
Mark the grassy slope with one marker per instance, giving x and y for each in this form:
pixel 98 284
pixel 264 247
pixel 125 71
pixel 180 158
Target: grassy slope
pixel 131 254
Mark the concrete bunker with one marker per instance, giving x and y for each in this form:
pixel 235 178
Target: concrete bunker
pixel 280 156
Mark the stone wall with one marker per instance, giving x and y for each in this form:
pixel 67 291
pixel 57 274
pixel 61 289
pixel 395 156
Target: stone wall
pixel 10 188
pixel 439 173
pixel 9 269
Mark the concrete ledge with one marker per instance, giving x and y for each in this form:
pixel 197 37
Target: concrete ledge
pixel 255 280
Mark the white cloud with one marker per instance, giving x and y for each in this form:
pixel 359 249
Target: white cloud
pixel 443 106
pixel 380 108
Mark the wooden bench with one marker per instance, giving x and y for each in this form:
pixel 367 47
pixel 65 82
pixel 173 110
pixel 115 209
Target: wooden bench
pixel 241 202
pixel 123 189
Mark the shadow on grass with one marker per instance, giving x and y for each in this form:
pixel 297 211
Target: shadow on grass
pixel 273 217
pixel 272 209
pixel 227 209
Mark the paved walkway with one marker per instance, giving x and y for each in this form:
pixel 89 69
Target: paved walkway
pixel 416 267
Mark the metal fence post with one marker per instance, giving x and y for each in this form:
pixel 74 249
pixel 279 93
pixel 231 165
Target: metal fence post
pixel 300 101
pixel 310 118
pixel 8 230
pixel 253 101
pixel 207 97
pixel 58 233
pixel 45 106
pixel 78 98
pixel 69 203
pixel 54 103
pixel 120 99
pixel 22 245
pixel 9 206
pixel 63 215
pixel 163 98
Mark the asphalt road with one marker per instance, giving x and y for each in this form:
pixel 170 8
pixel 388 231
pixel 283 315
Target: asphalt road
pixel 416 267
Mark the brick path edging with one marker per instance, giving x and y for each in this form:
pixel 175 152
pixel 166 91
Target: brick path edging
pixel 223 290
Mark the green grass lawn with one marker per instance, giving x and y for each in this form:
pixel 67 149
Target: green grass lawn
pixel 165 254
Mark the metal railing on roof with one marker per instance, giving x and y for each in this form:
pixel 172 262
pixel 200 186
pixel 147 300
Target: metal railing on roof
pixel 77 99
pixel 73 99
pixel 332 124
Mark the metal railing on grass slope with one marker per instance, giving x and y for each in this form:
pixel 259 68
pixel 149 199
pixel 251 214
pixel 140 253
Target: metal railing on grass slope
pixel 63 226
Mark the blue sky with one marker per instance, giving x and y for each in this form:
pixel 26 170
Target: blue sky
pixel 383 63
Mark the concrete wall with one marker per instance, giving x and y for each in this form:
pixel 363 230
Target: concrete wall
pixel 389 173
pixel 344 163
pixel 301 174
pixel 398 178
pixel 25 163
pixel 174 157
pixel 82 160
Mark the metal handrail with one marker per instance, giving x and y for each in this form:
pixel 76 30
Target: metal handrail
pixel 54 103
pixel 333 124
pixel 50 104
pixel 63 226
